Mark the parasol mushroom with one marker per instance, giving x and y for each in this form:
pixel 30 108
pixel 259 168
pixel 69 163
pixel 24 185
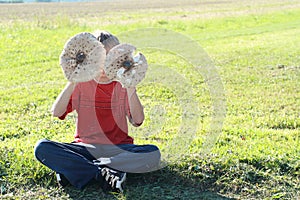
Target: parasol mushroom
pixel 123 66
pixel 82 58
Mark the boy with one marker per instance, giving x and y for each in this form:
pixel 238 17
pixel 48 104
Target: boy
pixel 102 148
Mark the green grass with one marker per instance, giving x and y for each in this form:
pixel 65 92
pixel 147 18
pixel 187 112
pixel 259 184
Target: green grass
pixel 257 57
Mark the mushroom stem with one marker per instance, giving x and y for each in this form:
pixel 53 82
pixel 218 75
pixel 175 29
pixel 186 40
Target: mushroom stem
pixel 80 57
pixel 127 64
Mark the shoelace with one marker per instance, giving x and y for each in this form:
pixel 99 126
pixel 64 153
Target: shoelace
pixel 110 178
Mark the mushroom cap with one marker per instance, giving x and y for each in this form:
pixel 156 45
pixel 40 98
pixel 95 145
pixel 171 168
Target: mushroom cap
pixel 123 66
pixel 82 58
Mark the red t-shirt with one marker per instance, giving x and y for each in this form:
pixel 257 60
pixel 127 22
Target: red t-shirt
pixel 102 110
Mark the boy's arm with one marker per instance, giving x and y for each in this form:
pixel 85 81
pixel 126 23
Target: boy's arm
pixel 135 106
pixel 59 107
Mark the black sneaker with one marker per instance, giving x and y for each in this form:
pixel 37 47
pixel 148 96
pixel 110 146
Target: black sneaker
pixel 62 180
pixel 112 180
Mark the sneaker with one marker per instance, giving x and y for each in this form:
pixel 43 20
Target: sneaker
pixel 112 180
pixel 62 180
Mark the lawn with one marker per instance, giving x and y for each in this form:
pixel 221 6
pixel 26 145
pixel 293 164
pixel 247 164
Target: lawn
pixel 221 96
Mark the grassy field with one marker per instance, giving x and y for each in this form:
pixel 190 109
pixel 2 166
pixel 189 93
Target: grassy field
pixel 206 59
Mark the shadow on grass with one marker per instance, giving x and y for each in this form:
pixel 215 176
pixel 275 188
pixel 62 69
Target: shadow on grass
pixel 162 184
